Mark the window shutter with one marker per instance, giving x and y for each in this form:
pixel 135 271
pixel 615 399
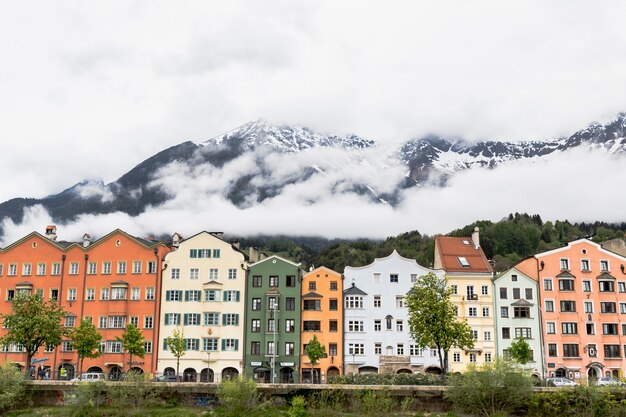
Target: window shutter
pixel 223 344
pixel 186 295
pixel 225 295
pixel 180 295
pixel 236 319
pixel 178 318
pixel 167 297
pixel 223 319
pixel 167 319
pixel 236 344
pixel 196 345
pixel 237 295
pixel 186 319
pixel 193 253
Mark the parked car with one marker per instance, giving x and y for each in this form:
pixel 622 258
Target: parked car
pixel 609 380
pixel 166 378
pixel 89 377
pixel 559 381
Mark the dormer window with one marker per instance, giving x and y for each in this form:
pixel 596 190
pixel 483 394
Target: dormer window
pixel 463 261
pixel 466 242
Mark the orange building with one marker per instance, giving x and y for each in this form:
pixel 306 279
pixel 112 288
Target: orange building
pixel 112 282
pixel 583 298
pixel 322 316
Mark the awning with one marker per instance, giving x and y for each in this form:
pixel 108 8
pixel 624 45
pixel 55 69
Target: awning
pixel 113 364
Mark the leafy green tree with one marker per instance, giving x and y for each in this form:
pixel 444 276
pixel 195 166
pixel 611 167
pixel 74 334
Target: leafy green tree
pixel 314 351
pixel 433 319
pixel 520 351
pixel 86 341
pixel 33 323
pixel 132 340
pixel 177 346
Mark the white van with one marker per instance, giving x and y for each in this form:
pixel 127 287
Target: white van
pixel 90 377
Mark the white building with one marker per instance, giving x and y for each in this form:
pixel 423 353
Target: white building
pixel 203 295
pixel 376 328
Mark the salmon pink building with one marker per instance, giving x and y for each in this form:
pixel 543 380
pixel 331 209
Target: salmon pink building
pixel 583 296
pixel 112 282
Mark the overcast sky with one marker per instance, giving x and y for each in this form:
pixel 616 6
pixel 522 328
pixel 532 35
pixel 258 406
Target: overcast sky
pixel 89 90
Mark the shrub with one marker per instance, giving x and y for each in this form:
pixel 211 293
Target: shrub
pixel 581 401
pixel 298 407
pixel 388 379
pixel 133 392
pixel 375 402
pixel 492 389
pixel 12 386
pixel 237 397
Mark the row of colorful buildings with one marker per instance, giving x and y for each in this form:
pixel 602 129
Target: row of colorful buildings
pixel 248 314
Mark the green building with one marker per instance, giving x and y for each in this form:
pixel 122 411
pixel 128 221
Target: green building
pixel 273 295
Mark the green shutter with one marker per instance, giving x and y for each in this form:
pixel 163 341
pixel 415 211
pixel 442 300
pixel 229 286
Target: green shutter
pixel 180 295
pixel 186 295
pixel 197 344
pixel 223 344
pixel 237 295
pixel 224 295
pixel 178 318
pixel 186 319
pixel 193 253
pixel 223 319
pixel 167 320
pixel 236 344
pixel 167 296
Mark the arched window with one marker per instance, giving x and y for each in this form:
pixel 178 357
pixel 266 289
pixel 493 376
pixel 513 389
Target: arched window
pixel 389 319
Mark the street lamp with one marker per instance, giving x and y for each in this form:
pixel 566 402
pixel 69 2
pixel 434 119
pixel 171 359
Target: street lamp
pixel 273 359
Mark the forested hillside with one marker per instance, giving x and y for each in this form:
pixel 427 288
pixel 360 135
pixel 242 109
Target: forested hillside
pixel 506 242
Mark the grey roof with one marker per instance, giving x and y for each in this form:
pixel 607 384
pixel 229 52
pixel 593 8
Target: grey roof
pixel 566 274
pixel 312 295
pixel 522 303
pixel 605 275
pixel 353 290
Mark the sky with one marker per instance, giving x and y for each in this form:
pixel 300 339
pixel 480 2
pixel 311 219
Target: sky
pixel 88 90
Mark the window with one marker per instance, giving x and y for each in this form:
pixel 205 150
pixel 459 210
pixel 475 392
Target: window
pixel 611 351
pixel 487 336
pixel 400 349
pixel 606 286
pixel 41 269
pixel 137 269
pixel 399 301
pixel 257 281
pixel 271 325
pixel 1 270
pixel 484 290
pixel 521 312
pixel 256 304
pixel 569 328
pixel 192 344
pixel 332 349
pixel 148 322
pixel 114 346
pixel 91 294
pixel 147 346
pixel 523 332
pixel 378 349
pixel 332 325
pixel 71 294
pixel 588 305
pixel 312 285
pixel 274 281
pixel 455 289
pixel 73 268
pixel 270 348
pixel 291 281
pixel 118 293
pixel 106 267
pixel 470 292
pixel 175 273
pixel 514 277
pixel 516 292
pixel 568 306
pixel 584 265
pixel 194 273
pixel 529 293
pixel 552 350
pixel 149 293
pixel 255 348
pixel 547 284
pixel 621 286
pixel 622 308
pixel 216 253
pixel 604 266
pixel 12 270
pixel 399 326
pixel 564 264
pixel 551 327
pixel 504 312
pixel 152 267
pixel 70 321
pixel 485 311
pixel 230 319
pixel 272 303
pixel 333 304
pixel 566 285
pixel 591 328
pixel 134 320
pixel 506 333
pixel 377 301
pixel 472 312
pixel 66 346
pixel 463 261
pixel 232 273
pixel 586 286
pixel 570 350
pixel 377 325
pixel 231 296
pixel 393 277
pixel 209 344
pixel 211 319
pixel 311 326
pixel 117 322
pixel 290 304
pixel 356 349
pixel 472 358
pixel 354 301
pixel 312 305
pixel 135 293
pixel 212 295
pixel 333 285
pixel 172 319
pixel 191 319
pixel 609 329
pixel 102 322
pixel 549 306
pixel 607 307
pixel 456 357
pixel 121 267
pixel 289 349
pixel 475 334
pixel 213 274
pixel 290 325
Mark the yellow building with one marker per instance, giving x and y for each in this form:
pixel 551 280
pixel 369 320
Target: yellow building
pixel 469 275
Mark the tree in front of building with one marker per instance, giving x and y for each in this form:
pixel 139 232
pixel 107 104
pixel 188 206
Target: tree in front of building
pixel 433 320
pixel 520 351
pixel 86 341
pixel 33 323
pixel 132 341
pixel 177 346
pixel 314 351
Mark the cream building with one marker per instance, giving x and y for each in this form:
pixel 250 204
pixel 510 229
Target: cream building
pixel 203 295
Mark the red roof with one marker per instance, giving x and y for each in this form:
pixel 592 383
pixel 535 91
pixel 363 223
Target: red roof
pixel 458 254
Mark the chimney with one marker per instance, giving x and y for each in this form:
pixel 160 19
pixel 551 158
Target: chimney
pixel 86 240
pixel 219 235
pixel 476 238
pixel 51 232
pixel 236 244
pixel 176 239
pixel 253 254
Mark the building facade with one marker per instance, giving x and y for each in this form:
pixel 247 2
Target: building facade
pixel 203 296
pixel 273 300
pixel 469 275
pixel 322 317
pixel 376 328
pixel 517 313
pixel 583 294
pixel 111 282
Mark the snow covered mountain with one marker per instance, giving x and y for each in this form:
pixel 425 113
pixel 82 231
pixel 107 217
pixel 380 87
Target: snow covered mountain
pixel 261 162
